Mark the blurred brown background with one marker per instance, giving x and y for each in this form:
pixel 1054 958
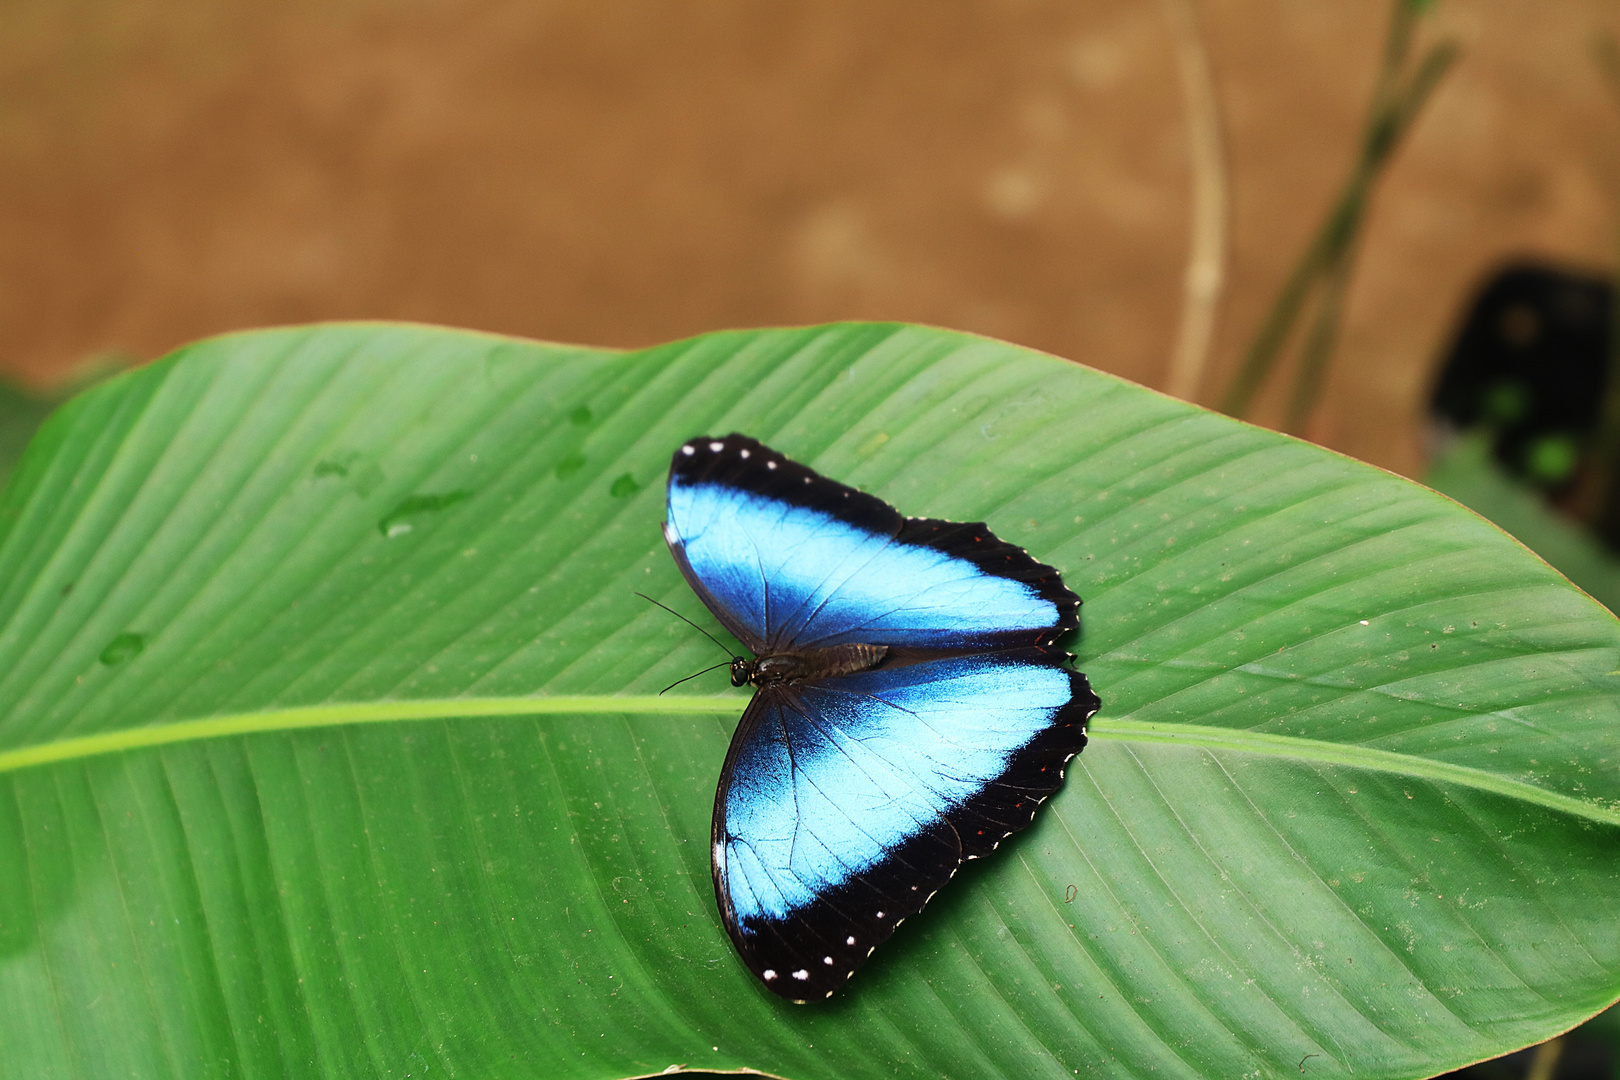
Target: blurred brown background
pixel 632 172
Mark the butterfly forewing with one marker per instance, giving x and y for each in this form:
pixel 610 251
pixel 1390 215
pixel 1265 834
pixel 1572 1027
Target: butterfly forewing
pixel 846 800
pixel 785 557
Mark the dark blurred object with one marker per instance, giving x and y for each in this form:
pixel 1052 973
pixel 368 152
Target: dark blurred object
pixel 1530 366
pixel 1578 1055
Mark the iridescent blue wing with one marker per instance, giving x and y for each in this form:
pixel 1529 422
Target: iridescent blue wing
pixel 786 558
pixel 845 803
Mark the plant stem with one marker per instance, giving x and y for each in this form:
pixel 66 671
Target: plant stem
pixel 1206 241
pixel 1322 273
pixel 1607 457
pixel 1318 346
pixel 1317 350
pixel 1257 362
pixel 1544 1061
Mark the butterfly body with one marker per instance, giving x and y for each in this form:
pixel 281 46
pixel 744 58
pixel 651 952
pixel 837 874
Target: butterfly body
pixel 911 707
pixel 792 667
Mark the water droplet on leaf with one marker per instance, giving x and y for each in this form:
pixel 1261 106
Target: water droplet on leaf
pixel 125 646
pixel 404 517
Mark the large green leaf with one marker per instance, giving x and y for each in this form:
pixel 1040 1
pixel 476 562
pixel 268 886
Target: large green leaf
pixel 330 741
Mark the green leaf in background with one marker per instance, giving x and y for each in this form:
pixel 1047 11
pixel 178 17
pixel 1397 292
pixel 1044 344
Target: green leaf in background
pixel 21 413
pixel 330 741
pixel 23 408
pixel 1468 473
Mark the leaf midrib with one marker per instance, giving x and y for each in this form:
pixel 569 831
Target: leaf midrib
pixel 1107 729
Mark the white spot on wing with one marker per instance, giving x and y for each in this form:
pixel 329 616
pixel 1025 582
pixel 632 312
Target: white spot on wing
pixel 770 464
pixel 744 454
pixel 802 975
pixel 827 960
pixel 768 974
pixel 850 940
pixel 717 446
pixel 688 449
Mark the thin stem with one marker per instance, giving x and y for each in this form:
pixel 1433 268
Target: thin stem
pixel 1318 347
pixel 1544 1061
pixel 1323 335
pixel 1326 250
pixel 1262 354
pixel 1397 43
pixel 1606 52
pixel 1393 108
pixel 1436 62
pixel 1205 276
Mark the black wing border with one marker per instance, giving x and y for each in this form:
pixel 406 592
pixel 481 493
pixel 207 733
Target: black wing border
pixel 903 882
pixel 745 463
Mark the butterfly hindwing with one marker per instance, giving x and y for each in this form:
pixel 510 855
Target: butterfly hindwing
pixel 847 802
pixel 852 792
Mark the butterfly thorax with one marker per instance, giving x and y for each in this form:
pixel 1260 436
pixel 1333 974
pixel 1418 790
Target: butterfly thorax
pixel 804 664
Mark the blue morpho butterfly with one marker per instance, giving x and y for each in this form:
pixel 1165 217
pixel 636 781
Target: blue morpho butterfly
pixel 911 709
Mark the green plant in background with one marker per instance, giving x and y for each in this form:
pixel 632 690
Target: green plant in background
pixel 21 412
pixel 1468 474
pixel 24 408
pixel 366 800
pixel 1321 278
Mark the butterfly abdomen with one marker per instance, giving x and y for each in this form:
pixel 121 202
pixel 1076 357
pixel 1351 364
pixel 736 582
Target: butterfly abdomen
pixel 802 664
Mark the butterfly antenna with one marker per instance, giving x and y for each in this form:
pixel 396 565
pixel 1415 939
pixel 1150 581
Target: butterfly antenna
pixel 694 626
pixel 678 682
